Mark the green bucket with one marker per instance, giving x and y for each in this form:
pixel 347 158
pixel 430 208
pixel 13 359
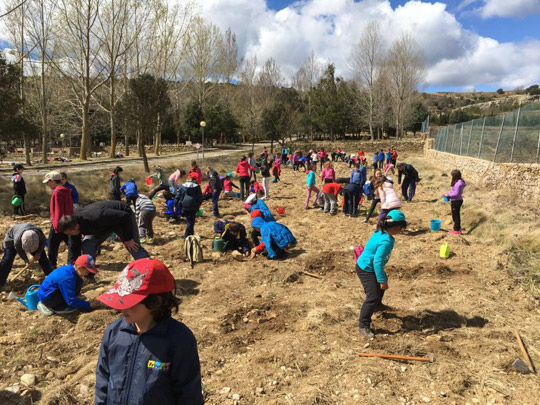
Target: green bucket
pixel 219 245
pixel 200 212
pixel 16 201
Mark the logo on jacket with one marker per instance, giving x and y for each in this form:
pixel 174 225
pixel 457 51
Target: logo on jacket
pixel 158 365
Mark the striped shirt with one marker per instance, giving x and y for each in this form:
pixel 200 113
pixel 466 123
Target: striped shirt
pixel 143 203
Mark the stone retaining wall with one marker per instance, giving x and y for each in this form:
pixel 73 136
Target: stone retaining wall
pixel 352 146
pixel 522 180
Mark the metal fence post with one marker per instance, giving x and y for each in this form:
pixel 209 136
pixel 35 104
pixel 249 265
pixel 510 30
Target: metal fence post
pixel 538 148
pixel 470 135
pixel 515 134
pixel 499 138
pixel 481 138
pixel 453 138
pixel 461 138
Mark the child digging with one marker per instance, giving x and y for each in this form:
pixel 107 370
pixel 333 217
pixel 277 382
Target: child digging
pixel 370 266
pixel 147 357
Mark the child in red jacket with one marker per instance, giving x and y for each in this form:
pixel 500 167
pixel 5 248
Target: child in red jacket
pixel 330 193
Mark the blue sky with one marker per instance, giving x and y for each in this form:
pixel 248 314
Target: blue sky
pixel 468 44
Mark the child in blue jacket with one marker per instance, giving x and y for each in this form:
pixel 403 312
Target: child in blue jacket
pixel 277 239
pixel 147 357
pixel 129 189
pixel 370 266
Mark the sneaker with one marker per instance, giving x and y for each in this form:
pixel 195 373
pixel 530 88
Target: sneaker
pixel 454 233
pixel 365 221
pixel 66 310
pixel 367 333
pixel 45 310
pixel 142 240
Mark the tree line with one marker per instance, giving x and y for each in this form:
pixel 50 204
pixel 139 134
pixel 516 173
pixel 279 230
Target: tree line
pixel 147 72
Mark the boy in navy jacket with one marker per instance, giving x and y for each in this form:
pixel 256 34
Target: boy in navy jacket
pixel 147 357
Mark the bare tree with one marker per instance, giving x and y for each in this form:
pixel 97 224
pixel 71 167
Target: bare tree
pixel 229 56
pixel 269 81
pixel 406 71
pixel 366 59
pixel 77 60
pixel 249 113
pixel 305 80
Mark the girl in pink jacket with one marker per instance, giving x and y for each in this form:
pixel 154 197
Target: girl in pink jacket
pixel 389 198
pixel 328 175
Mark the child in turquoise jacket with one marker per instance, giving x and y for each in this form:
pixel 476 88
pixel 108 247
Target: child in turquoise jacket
pixel 311 187
pixel 370 266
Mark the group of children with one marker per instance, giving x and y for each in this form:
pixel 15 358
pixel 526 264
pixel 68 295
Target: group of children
pixel 164 364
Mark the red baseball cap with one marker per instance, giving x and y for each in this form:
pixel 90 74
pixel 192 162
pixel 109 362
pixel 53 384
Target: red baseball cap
pixel 256 213
pixel 138 280
pixel 88 262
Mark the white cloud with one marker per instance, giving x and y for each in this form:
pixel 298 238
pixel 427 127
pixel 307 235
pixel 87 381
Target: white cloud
pixel 509 8
pixel 454 56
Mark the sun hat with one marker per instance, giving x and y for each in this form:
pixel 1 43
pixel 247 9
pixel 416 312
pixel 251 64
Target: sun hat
pixel 397 216
pixel 54 176
pixel 139 279
pixel 88 262
pixel 30 241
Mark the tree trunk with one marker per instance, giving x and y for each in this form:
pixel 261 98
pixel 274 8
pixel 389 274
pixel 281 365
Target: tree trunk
pixel 126 141
pixel 139 141
pixel 157 137
pixel 83 153
pixel 26 150
pixel 142 153
pixel 111 116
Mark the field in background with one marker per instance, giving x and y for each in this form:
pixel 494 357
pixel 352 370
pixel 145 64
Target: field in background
pixel 273 335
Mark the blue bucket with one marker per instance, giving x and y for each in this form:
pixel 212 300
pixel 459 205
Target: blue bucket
pixel 31 297
pixel 445 198
pixel 435 225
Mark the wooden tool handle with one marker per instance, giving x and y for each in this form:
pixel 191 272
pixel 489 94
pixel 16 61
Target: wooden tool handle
pixel 394 356
pixel 523 351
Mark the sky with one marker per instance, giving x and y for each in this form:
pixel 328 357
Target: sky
pixel 468 45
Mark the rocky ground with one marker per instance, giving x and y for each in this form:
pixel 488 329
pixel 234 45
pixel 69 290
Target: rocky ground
pixel 269 333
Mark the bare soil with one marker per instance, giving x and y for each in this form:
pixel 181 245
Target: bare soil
pixel 273 335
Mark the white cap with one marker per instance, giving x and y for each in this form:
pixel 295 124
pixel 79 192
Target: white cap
pixel 30 241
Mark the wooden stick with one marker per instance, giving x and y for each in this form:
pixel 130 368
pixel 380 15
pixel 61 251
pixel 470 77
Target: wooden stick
pixel 524 352
pixel 20 272
pixel 396 357
pixel 311 275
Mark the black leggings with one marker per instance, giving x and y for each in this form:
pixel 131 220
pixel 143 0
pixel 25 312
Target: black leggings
pixel 456 214
pixel 244 186
pixel 374 296
pixel 374 203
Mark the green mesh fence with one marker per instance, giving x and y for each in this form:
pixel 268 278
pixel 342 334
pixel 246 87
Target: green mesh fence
pixel 510 137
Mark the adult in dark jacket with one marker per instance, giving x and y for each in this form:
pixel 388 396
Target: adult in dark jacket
pixel 114 184
pixel 234 234
pixel 97 221
pixel 20 239
pixel 215 185
pixel 408 188
pixel 189 198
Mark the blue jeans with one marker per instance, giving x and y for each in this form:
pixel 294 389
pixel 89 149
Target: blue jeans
pixel 215 200
pixel 408 189
pixel 9 257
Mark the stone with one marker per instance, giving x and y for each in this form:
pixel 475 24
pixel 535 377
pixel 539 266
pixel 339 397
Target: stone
pixel 426 399
pixel 259 390
pixel 225 390
pixel 403 369
pixel 236 397
pixel 28 379
pixel 83 389
pixel 15 388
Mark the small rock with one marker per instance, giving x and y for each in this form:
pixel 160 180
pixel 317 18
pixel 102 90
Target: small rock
pixel 236 397
pixel 369 380
pixel 403 369
pixel 53 359
pixel 433 338
pixel 275 382
pixel 443 394
pixel 15 388
pixel 28 379
pixel 426 399
pixel 259 390
pixel 366 345
pixel 283 368
pixel 225 390
pixel 83 389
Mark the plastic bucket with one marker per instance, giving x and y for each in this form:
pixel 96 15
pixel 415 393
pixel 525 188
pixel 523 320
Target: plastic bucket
pixel 149 181
pixel 444 252
pixel 219 245
pixel 435 225
pixel 32 297
pixel 200 212
pixel 445 198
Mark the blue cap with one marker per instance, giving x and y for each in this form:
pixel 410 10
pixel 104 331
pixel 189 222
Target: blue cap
pixel 397 216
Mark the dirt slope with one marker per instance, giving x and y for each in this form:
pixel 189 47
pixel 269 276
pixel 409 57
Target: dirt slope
pixel 269 334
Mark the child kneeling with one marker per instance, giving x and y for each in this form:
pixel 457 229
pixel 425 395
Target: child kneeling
pixel 147 357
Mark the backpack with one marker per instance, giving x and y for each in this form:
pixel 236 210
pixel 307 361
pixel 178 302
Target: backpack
pixel 193 249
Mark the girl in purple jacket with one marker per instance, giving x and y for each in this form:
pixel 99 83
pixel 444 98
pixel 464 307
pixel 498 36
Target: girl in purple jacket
pixel 456 200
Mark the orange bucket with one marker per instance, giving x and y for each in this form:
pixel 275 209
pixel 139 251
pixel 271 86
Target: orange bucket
pixel 149 181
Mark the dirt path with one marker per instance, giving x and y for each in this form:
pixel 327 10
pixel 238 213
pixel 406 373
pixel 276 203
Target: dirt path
pixel 272 335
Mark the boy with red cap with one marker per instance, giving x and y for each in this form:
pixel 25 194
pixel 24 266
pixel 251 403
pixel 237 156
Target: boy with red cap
pixel 58 292
pixel 147 357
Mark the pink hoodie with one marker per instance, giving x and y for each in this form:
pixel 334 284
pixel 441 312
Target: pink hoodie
pixel 328 173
